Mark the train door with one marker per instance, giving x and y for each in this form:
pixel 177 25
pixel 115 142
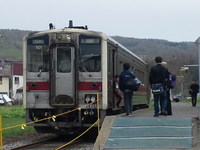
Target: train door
pixel 111 74
pixel 63 77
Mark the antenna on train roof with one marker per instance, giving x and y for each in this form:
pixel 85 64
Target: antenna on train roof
pixel 70 24
pixel 78 27
pixel 51 26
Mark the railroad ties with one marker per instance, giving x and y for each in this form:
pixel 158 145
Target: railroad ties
pixel 145 133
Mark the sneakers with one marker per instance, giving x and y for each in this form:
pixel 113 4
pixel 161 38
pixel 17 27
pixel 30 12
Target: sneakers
pixel 129 115
pixel 163 113
pixel 156 115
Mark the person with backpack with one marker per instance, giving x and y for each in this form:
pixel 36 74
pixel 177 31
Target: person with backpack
pixel 194 89
pixel 157 80
pixel 170 82
pixel 124 84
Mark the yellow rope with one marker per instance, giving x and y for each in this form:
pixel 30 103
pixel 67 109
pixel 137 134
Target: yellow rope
pixel 51 117
pixel 77 136
pixel 98 116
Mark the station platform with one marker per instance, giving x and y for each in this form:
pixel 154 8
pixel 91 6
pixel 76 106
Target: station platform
pixel 142 131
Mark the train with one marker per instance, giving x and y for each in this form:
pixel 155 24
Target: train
pixel 72 67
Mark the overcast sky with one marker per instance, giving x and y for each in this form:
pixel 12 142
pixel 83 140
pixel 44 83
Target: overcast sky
pixel 172 20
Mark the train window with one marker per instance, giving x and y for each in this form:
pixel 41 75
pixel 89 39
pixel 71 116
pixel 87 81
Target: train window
pixel 37 54
pixel 90 54
pixel 37 59
pixel 63 60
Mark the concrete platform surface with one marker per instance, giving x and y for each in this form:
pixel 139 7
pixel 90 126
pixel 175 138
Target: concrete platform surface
pixel 143 131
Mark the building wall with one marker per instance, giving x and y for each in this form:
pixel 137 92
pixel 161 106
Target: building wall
pixel 16 85
pixel 4 86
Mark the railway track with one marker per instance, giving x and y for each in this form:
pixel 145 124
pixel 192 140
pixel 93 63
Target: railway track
pixel 56 142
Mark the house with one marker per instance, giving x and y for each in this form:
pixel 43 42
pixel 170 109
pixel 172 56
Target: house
pixel 5 74
pixel 11 80
pixel 17 80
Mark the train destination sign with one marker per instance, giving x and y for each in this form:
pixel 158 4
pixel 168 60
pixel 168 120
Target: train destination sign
pixel 41 40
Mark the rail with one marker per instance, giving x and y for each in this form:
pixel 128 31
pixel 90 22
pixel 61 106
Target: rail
pixel 23 125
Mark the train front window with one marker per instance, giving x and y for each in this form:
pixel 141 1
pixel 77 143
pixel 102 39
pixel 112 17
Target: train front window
pixel 37 54
pixel 90 54
pixel 64 60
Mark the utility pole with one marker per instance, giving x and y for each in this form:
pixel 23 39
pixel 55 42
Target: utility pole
pixel 198 43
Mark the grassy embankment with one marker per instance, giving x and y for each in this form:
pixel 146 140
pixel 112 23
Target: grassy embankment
pixel 12 116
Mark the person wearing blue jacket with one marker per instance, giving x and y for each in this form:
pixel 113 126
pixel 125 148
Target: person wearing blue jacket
pixel 125 76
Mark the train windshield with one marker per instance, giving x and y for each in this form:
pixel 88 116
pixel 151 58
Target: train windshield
pixel 90 54
pixel 37 54
pixel 64 60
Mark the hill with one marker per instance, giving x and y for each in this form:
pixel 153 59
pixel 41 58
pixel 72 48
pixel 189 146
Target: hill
pixel 176 54
pixel 11 44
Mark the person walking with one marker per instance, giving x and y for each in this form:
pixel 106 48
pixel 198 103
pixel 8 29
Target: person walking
pixel 194 89
pixel 157 80
pixel 126 76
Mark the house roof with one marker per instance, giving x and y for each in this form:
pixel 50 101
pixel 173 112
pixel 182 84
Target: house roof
pixel 5 68
pixel 17 68
pixel 8 68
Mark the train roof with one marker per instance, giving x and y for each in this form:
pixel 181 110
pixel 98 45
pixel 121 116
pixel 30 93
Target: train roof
pixel 126 49
pixel 69 30
pixel 88 32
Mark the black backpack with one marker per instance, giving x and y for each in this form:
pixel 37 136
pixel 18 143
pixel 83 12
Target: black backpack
pixel 132 83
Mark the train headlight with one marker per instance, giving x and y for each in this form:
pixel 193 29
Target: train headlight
pixel 87 99
pixel 68 37
pixel 86 112
pixel 91 113
pixel 93 99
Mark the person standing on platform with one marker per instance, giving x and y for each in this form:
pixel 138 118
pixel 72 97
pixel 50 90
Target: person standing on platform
pixel 157 80
pixel 194 89
pixel 169 105
pixel 126 76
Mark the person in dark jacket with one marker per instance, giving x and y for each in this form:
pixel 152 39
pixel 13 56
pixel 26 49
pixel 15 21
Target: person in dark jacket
pixel 194 89
pixel 157 75
pixel 125 76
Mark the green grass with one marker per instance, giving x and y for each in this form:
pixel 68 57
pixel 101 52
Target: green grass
pixel 12 116
pixel 190 100
pixel 151 103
